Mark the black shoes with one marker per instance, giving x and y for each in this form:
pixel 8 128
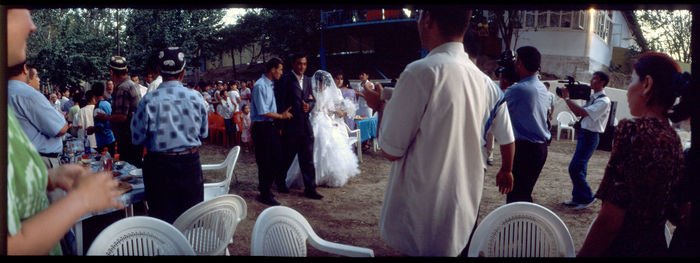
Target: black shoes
pixel 268 200
pixel 283 189
pixel 313 194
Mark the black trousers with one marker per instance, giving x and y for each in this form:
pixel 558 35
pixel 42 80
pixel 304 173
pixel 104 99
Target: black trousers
pixel 527 165
pixel 173 183
pixel 304 147
pixel 127 151
pixel 268 155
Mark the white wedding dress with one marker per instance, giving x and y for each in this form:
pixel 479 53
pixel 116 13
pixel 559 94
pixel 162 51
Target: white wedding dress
pixel 334 159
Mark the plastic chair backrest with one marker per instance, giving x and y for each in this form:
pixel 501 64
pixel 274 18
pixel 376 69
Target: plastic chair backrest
pixel 218 120
pixel 210 225
pixel 282 231
pixel 521 229
pixel 140 236
pixel 667 232
pixel 566 118
pixel 238 120
pixel 230 164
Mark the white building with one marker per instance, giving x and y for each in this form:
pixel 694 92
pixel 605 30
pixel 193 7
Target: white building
pixel 579 42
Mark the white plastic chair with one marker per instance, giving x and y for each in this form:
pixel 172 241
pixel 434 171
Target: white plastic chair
pixel 283 232
pixel 140 236
pixel 521 229
pixel 565 121
pixel 212 190
pixel 667 232
pixel 355 139
pixel 209 226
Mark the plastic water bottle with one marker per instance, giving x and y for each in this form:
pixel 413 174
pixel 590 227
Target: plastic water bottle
pixel 86 145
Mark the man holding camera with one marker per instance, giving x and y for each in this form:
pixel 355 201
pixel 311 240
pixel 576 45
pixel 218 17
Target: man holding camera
pixel 527 104
pixel 594 115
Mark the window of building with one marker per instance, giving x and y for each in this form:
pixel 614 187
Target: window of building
pixel 603 24
pixel 554 19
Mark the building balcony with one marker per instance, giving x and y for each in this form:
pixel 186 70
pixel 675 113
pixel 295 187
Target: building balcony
pixel 344 18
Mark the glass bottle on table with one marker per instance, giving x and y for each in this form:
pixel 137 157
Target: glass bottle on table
pixel 106 160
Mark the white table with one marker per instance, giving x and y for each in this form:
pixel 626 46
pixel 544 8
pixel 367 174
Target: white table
pixel 136 195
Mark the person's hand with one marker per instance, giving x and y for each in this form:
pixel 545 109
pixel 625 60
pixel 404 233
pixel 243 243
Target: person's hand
pixel 90 130
pixel 305 106
pixel 286 114
pixel 373 97
pixel 504 181
pixel 564 93
pixel 64 176
pixel 98 191
pixel 340 113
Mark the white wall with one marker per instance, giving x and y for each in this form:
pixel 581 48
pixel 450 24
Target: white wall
pixel 600 52
pixel 554 42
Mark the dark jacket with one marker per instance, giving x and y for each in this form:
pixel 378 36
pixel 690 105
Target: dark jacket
pixel 289 94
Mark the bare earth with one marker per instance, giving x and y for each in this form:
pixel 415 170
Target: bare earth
pixel 350 214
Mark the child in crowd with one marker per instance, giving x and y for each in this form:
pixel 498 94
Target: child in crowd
pixel 247 124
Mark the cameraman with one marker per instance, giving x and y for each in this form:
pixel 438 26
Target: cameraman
pixel 594 115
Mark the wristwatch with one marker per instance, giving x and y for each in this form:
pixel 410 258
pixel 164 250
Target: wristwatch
pixel 566 99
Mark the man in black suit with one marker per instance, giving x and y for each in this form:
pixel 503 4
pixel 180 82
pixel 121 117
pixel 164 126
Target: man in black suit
pixel 294 90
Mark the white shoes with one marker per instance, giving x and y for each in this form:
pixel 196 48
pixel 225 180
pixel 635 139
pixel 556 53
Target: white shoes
pixel 576 206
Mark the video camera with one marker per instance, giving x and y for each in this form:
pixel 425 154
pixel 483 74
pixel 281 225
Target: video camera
pixel 506 66
pixel 577 91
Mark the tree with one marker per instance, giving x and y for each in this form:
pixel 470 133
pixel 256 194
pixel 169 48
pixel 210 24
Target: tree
pixel 667 31
pixel 508 22
pixel 71 45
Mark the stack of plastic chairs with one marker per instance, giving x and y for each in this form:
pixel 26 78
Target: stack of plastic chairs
pixel 217 129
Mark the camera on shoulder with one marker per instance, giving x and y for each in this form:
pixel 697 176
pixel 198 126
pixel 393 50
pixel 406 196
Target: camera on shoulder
pixel 506 66
pixel 577 91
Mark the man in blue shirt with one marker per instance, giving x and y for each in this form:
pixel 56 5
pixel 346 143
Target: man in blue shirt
pixel 42 123
pixel 266 137
pixel 169 121
pixel 528 102
pixel 103 130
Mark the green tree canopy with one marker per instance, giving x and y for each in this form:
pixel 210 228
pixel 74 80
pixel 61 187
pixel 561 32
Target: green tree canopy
pixel 667 31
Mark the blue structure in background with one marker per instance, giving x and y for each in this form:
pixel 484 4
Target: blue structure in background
pixel 381 27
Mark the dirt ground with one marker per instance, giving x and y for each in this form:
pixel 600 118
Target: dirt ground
pixel 350 214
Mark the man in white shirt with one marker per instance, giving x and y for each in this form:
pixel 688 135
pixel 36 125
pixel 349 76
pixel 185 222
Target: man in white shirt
pixel 153 78
pixel 594 116
pixel 432 132
pixel 142 89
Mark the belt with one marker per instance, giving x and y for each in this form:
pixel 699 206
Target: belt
pixel 264 123
pixel 49 155
pixel 188 151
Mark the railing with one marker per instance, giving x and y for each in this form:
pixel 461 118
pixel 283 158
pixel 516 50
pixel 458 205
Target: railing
pixel 348 17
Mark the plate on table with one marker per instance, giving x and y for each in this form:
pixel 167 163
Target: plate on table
pixel 124 187
pixel 136 173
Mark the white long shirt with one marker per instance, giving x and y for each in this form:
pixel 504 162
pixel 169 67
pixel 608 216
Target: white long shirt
pixel 434 121
pixel 155 83
pixel 85 119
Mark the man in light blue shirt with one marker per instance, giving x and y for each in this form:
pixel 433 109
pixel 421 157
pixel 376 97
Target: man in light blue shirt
pixel 42 123
pixel 169 121
pixel 266 136
pixel 528 102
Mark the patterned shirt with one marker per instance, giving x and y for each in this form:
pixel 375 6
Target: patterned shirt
pixel 27 178
pixel 40 121
pixel 263 99
pixel 125 98
pixel 645 164
pixel 170 119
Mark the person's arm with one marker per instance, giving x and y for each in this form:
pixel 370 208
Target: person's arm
pixel 504 177
pixel 604 230
pixel 63 130
pixel 280 116
pixel 41 232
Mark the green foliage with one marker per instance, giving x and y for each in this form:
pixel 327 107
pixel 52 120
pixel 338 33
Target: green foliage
pixel 71 45
pixel 667 31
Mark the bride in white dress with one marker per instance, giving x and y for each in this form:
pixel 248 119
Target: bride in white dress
pixel 334 159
